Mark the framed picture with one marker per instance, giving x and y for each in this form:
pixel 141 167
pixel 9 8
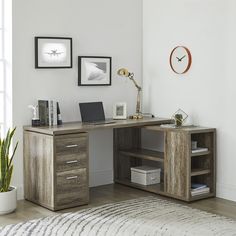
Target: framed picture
pixel 120 111
pixel 53 52
pixel 94 71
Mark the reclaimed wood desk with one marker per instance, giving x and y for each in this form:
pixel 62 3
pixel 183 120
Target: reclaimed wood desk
pixel 56 159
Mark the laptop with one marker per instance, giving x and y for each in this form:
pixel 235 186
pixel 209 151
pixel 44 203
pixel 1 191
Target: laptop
pixel 93 113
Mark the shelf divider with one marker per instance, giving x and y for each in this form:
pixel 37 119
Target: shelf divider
pixel 197 172
pixel 144 154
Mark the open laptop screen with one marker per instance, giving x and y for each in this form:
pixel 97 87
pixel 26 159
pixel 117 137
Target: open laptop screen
pixel 92 111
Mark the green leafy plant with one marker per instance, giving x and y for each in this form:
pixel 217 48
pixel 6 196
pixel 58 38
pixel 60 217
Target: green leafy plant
pixel 6 165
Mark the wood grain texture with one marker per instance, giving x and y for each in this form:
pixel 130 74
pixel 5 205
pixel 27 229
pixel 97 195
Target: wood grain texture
pixel 75 127
pixel 71 199
pixel 72 180
pixel 72 188
pixel 189 129
pixel 71 151
pixel 39 168
pixel 56 169
pixel 177 164
pixel 71 143
pixel 65 161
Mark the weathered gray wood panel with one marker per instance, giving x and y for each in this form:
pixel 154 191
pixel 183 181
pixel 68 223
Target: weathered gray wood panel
pixel 39 168
pixel 177 164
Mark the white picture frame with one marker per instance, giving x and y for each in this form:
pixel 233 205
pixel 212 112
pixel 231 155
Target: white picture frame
pixel 120 111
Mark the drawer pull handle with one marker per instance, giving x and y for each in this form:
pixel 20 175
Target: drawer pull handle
pixel 71 162
pixel 72 146
pixel 72 177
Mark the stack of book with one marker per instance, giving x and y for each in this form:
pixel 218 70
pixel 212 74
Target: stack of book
pixel 198 189
pixel 49 113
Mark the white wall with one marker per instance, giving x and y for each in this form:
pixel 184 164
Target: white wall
pixel 207 91
pixel 102 28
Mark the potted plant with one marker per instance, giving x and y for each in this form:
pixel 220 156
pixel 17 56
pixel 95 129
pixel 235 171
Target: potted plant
pixel 7 192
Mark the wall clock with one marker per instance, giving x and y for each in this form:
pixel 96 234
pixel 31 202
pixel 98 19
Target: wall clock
pixel 180 59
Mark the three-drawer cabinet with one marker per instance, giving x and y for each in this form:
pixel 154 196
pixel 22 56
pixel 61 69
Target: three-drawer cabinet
pixel 56 169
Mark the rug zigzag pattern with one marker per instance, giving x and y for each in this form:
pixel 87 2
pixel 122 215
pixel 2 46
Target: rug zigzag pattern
pixel 148 216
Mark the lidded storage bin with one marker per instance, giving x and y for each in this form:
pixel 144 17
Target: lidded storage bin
pixel 145 175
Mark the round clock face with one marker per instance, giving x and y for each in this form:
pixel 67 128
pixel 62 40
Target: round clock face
pixel 180 59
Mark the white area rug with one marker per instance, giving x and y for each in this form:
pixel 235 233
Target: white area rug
pixel 138 217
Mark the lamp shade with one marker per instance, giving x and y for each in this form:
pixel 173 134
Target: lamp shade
pixel 123 72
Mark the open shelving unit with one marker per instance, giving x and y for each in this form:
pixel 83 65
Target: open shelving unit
pixel 179 166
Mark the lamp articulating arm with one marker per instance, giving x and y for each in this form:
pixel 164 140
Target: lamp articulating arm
pixel 138 105
pixel 125 73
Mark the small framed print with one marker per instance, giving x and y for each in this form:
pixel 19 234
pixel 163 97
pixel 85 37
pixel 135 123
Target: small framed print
pixel 120 111
pixel 94 71
pixel 53 52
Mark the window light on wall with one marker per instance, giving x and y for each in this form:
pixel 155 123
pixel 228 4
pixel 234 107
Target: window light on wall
pixel 5 65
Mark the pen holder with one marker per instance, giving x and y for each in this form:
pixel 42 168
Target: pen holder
pixel 35 122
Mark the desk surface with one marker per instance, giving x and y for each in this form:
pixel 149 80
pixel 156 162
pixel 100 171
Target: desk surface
pixel 75 127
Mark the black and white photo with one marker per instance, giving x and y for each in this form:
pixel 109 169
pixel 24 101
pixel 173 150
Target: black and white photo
pixel 94 71
pixel 53 52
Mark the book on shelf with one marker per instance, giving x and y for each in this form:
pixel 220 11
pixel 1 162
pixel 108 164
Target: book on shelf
pixel 196 192
pixel 200 149
pixel 47 112
pixel 195 186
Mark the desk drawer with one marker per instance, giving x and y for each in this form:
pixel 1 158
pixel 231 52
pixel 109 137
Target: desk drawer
pixel 71 144
pixel 71 181
pixel 71 161
pixel 70 199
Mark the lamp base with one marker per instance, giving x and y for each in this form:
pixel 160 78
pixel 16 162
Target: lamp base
pixel 136 117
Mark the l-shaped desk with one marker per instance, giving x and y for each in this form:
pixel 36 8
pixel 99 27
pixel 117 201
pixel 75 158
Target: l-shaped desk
pixel 56 160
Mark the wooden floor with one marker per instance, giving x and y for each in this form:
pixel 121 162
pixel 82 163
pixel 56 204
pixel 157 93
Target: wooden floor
pixel 114 193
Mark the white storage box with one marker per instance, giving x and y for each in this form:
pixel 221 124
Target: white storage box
pixel 145 175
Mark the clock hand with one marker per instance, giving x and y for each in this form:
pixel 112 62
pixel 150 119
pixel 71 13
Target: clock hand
pixel 178 59
pixel 182 57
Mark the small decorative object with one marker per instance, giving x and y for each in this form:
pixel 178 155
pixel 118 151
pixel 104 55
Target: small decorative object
pixel 125 73
pixel 7 192
pixel 35 120
pixel 120 111
pixel 179 116
pixel 53 52
pixel 94 71
pixel 178 119
pixel 180 59
pixel 194 145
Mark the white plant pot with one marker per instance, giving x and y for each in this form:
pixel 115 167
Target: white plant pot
pixel 8 201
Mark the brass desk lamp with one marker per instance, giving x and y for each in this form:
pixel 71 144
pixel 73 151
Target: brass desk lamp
pixel 125 73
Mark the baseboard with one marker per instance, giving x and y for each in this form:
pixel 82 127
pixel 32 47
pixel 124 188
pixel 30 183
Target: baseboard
pixel 226 191
pixel 20 192
pixel 98 178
